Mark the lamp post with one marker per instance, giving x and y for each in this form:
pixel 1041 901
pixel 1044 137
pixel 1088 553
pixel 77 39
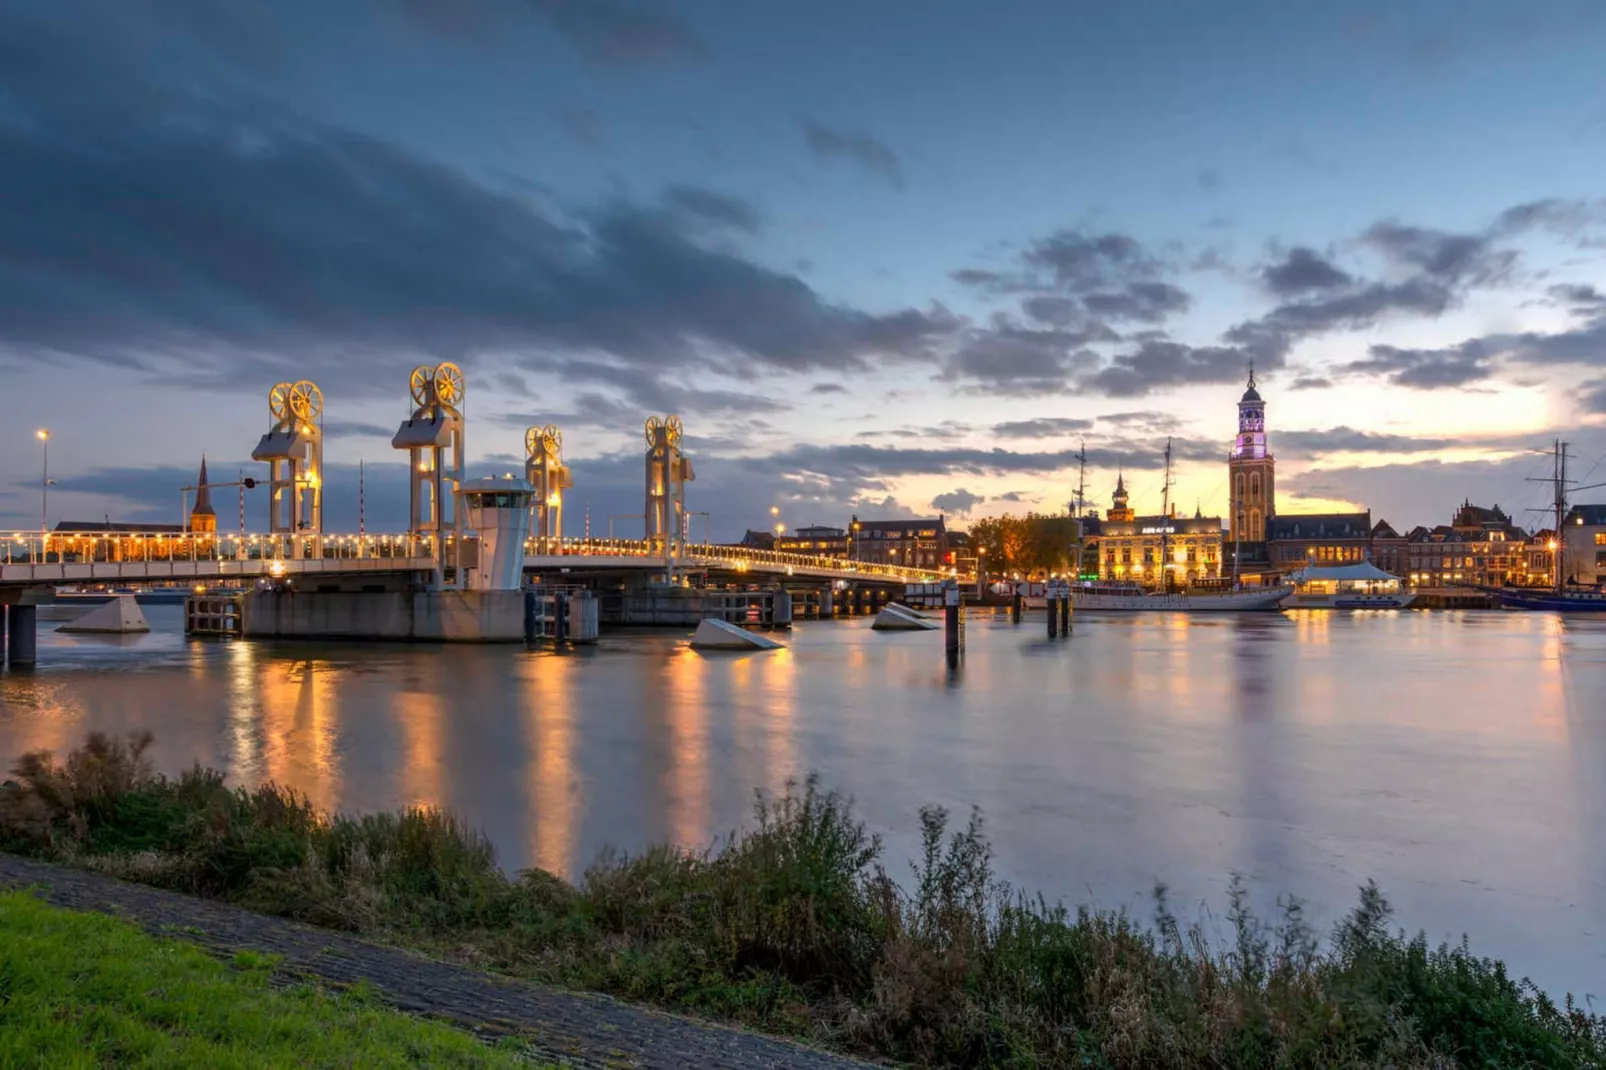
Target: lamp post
pixel 43 434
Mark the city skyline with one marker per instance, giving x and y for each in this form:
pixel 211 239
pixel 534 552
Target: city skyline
pixel 867 282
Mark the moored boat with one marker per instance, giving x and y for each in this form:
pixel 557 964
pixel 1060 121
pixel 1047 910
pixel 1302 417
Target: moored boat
pixel 1591 600
pixel 1116 596
pixel 1359 586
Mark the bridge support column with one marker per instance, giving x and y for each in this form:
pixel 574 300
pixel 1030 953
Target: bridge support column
pixel 827 606
pixel 22 640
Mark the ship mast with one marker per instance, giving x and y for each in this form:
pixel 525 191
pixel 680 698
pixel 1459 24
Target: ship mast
pixel 1165 520
pixel 1081 506
pixel 1559 483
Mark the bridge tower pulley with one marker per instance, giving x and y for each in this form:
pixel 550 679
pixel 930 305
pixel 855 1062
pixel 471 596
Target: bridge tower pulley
pixel 433 439
pixel 549 477
pixel 293 450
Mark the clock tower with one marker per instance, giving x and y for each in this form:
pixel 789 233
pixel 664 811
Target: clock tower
pixel 1251 471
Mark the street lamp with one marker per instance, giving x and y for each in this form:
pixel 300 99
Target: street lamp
pixel 43 435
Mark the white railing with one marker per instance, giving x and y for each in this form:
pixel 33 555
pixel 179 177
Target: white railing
pixel 768 560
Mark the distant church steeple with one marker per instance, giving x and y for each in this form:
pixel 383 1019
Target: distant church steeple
pixel 203 519
pixel 1251 470
pixel 1121 511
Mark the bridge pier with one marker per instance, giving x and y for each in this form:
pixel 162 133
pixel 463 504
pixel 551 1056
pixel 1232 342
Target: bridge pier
pixel 826 603
pixel 22 638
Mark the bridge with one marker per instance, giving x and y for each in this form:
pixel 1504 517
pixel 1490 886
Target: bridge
pixel 32 559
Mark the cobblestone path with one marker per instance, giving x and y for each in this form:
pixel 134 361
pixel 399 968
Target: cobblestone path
pixel 574 1029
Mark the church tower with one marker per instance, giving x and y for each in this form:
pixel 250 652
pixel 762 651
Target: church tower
pixel 1251 471
pixel 1120 512
pixel 203 519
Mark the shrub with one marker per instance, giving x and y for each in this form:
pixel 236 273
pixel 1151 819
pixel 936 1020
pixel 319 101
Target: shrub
pixel 795 924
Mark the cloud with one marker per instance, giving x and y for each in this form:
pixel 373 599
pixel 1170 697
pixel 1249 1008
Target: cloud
pixel 1426 368
pixel 960 502
pixel 1008 359
pixel 1439 254
pixel 608 32
pixel 705 206
pixel 828 388
pixel 1041 427
pixel 1350 440
pixel 1579 297
pixel 356 429
pixel 1155 365
pixel 1310 382
pixel 176 225
pixel 1302 271
pixel 1592 396
pixel 1147 302
pixel 1208 179
pixel 858 148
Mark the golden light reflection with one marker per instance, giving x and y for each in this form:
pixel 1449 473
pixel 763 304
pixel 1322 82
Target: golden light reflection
pixel 300 727
pixel 421 717
pixel 686 716
pixel 245 738
pixel 549 713
pixel 778 676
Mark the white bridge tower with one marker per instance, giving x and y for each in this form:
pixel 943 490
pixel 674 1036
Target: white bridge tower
pixel 549 477
pixel 668 472
pixel 433 439
pixel 293 449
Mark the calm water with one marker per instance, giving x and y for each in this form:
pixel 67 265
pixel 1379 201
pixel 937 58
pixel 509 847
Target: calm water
pixel 1458 759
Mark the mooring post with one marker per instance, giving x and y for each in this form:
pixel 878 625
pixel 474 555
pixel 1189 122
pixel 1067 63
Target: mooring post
pixel 1014 606
pixel 951 621
pixel 1065 610
pixel 560 611
pixel 1049 594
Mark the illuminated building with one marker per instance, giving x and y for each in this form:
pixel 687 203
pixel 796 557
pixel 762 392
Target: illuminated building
pixel 1585 561
pixel 918 543
pixel 1251 472
pixel 1142 549
pixel 1319 538
pixel 814 539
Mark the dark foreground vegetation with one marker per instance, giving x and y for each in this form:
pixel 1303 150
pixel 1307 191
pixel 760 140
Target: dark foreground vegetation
pixel 795 926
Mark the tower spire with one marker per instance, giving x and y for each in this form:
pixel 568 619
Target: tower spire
pixel 1251 374
pixel 203 493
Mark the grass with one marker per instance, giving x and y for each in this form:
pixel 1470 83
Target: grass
pixel 794 925
pixel 86 990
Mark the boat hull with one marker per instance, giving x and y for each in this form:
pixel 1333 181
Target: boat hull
pixel 1349 601
pixel 1225 602
pixel 1590 602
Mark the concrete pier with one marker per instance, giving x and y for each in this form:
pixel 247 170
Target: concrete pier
pixel 22 636
pixel 405 616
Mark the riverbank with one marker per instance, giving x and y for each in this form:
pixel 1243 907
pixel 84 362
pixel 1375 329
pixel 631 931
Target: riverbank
pixel 794 926
pixel 82 989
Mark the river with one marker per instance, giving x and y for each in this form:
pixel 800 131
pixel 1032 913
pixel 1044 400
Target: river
pixel 1459 759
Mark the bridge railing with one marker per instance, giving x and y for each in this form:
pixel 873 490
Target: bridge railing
pixel 737 555
pixel 128 547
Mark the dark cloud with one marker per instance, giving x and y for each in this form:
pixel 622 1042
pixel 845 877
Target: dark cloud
pixel 1041 427
pixel 1592 396
pixel 1440 255
pixel 1081 263
pixel 610 32
pixel 1427 368
pixel 705 206
pixel 858 148
pixel 1052 310
pixel 1147 302
pixel 1351 440
pixel 1569 218
pixel 1157 365
pixel 144 221
pixel 357 429
pixel 959 502
pixel 1014 360
pixel 860 461
pixel 1310 382
pixel 828 388
pixel 1014 496
pixel 1579 297
pixel 1303 270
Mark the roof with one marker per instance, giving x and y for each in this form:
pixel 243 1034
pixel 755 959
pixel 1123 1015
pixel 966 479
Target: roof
pixel 900 525
pixel 819 531
pixel 203 494
pixel 1590 514
pixel 1363 570
pixel 84 527
pixel 1250 394
pixel 1384 530
pixel 1319 526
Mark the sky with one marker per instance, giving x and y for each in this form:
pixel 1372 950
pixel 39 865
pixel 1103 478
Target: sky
pixel 889 259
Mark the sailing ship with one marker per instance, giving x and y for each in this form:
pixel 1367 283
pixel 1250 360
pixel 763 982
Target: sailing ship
pixel 1201 597
pixel 1562 597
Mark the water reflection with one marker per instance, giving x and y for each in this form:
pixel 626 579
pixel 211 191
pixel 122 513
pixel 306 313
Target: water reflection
pixel 1459 759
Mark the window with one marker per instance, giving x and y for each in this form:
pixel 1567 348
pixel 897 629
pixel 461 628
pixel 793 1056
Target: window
pixel 1240 486
pixel 1254 486
pixel 1600 538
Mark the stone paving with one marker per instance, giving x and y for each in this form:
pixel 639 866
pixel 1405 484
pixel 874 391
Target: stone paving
pixel 573 1029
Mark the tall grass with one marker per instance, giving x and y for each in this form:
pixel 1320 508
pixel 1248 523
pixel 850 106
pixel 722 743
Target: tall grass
pixel 794 924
